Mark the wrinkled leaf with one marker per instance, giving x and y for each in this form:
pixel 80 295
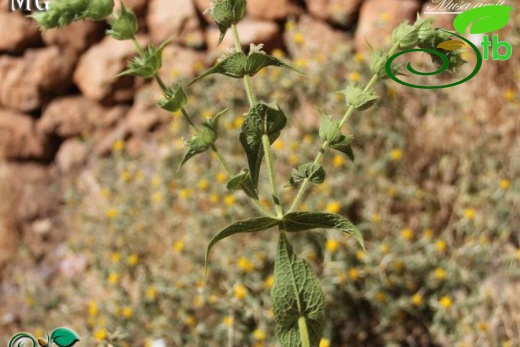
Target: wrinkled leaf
pixel 173 99
pixel 245 226
pixel 64 337
pixel 296 293
pixel 359 98
pixel 261 119
pixel 486 19
pixel 200 143
pixel 329 130
pixel 231 66
pixel 148 64
pixel 314 172
pixel 343 145
pixel 243 181
pixel 226 13
pixel 302 221
pixel 258 60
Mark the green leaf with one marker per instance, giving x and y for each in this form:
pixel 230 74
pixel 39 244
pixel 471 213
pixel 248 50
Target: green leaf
pixel 314 172
pixel 261 119
pixel 244 226
pixel 258 60
pixel 486 19
pixel 243 181
pixel 329 130
pixel 64 337
pixel 173 99
pixel 147 65
pixel 296 293
pixel 405 35
pixel 302 221
pixel 359 98
pixel 342 144
pixel 231 66
pixel 123 24
pixel 200 143
pixel 62 13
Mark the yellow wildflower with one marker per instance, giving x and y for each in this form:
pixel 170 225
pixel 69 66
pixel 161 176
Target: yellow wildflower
pixel 407 234
pixel 385 248
pixel 353 274
pixel 505 184
pixel 269 281
pixel 333 206
pixel 428 234
pixel 184 193
pixel 203 184
pixel 359 58
pixel 100 334
pixel 259 334
pixel 127 312
pixel 469 213
pixel 133 259
pixel 112 213
pixel 125 176
pixel 482 326
pixel 240 291
pixel 178 245
pixel 417 299
pixel 116 257
pixel 157 197
pixel 354 76
pixel 92 308
pixel 324 342
pixel 441 246
pixel 298 38
pixel 119 145
pixel 229 199
pixel 245 265
pixel 360 255
pixel 510 95
pixel 332 246
pixel 338 160
pixel 380 297
pixel 228 320
pixel 214 198
pixel 191 321
pixel 222 177
pixel 151 293
pixel 445 302
pixel 396 154
pixel 440 273
pixel 113 278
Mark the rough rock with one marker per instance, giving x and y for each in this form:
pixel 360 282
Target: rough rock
pixel 310 37
pixel 71 155
pixel 202 5
pixel 76 115
pixel 17 32
pixel 78 36
pixel 25 82
pixel 97 69
pixel 138 6
pixel 144 114
pixel 272 10
pixel 251 31
pixel 378 18
pixel 34 193
pixel 174 63
pixel 335 11
pixel 174 19
pixel 19 139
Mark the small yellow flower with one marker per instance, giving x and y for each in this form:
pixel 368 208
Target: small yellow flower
pixel 237 123
pixel 376 218
pixel 445 302
pixel 125 176
pixel 259 334
pixel 353 274
pixel 428 234
pixel 439 273
pixel 228 320
pixel 178 245
pixel 338 160
pixel 332 246
pixel 133 259
pixel 100 334
pixel 505 184
pixel 245 265
pixel 214 198
pixel 385 248
pixel 361 255
pixel 417 299
pixel 299 38
pixel 517 253
pixel 229 199
pixel 112 213
pixel 396 154
pixel 127 312
pixel 213 299
pixel 92 308
pixel 277 53
pixel 222 177
pixel 385 17
pixel 333 206
pixel 116 257
pixel 324 342
pixel 119 145
pixel 300 63
pixel 240 291
pixel 157 197
pixel 482 326
pixel 407 234
pixel 184 193
pixel 269 281
pixel 510 95
pixel 380 297
pixel 293 159
pixel 151 293
pixel 441 246
pixel 399 266
pixel 354 76
pixel 469 213
pixel 359 58
pixel 113 278
pixel 191 321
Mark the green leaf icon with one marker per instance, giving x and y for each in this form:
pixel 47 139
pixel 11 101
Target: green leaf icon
pixel 298 301
pixel 486 19
pixel 64 337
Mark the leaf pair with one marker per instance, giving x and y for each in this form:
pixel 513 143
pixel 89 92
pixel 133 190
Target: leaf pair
pixel 330 132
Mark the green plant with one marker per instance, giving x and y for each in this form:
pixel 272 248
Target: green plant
pixel 297 298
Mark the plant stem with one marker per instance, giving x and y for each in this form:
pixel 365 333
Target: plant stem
pixel 272 176
pixel 247 80
pixel 304 333
pixel 188 119
pixel 306 182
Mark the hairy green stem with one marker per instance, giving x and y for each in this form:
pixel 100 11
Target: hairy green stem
pixel 272 175
pixel 247 80
pixel 319 157
pixel 188 119
pixel 304 333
